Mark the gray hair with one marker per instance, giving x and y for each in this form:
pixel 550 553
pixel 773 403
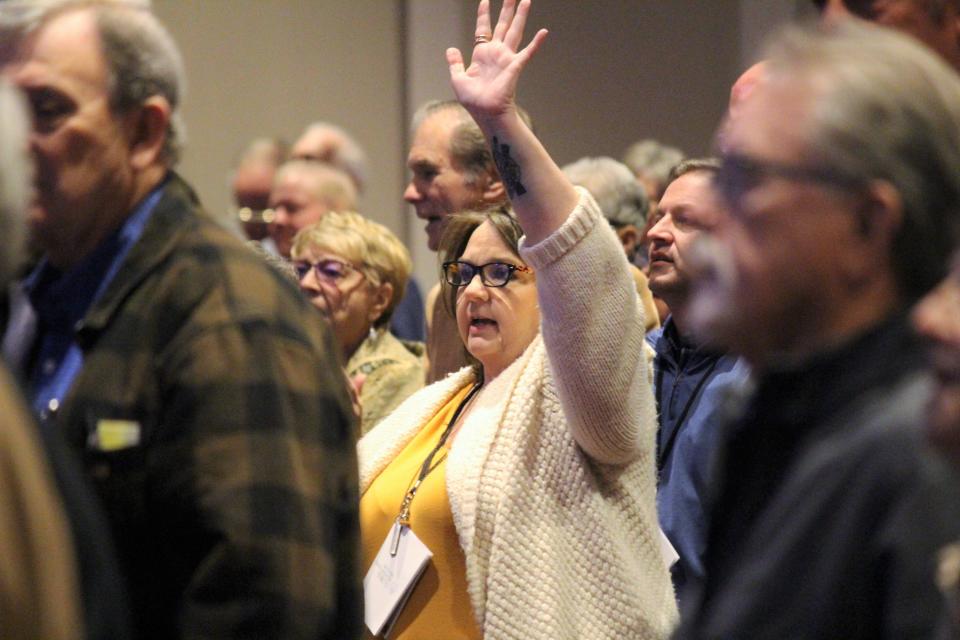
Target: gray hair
pixel 263 151
pixel 614 187
pixel 345 153
pixel 652 159
pixel 468 147
pixel 326 183
pixel 14 179
pixel 142 58
pixel 887 109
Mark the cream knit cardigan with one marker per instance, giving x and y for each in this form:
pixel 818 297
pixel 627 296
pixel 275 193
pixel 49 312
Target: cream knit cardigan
pixel 551 478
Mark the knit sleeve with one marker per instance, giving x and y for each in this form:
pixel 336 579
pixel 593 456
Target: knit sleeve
pixel 593 329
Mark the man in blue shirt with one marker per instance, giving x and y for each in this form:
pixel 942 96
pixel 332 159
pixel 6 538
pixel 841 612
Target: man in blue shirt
pixel 691 383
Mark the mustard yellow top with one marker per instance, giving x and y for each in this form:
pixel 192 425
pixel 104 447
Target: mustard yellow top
pixel 439 606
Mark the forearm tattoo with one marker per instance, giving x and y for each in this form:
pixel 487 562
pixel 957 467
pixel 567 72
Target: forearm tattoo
pixel 509 169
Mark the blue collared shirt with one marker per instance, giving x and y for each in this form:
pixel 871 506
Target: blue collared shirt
pixel 693 387
pixel 60 300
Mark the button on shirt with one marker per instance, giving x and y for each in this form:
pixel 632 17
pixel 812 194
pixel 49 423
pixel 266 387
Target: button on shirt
pixel 60 300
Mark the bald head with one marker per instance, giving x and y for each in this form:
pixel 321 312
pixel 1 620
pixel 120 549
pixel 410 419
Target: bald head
pixel 304 190
pixel 329 144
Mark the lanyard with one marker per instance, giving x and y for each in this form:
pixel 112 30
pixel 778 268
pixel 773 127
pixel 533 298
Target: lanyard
pixel 664 449
pixel 403 518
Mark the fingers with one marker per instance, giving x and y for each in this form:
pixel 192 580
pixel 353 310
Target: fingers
pixel 505 19
pixel 483 20
pixel 357 382
pixel 514 35
pixel 528 51
pixel 455 60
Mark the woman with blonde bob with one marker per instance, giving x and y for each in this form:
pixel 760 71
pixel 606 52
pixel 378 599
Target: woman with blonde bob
pixel 531 480
pixel 354 271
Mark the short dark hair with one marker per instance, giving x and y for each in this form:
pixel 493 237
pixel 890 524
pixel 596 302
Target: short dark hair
pixel 453 243
pixel 684 167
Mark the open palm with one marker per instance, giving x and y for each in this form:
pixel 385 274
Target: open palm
pixel 488 86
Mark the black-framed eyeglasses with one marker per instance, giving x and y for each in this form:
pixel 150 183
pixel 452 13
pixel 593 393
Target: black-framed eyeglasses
pixel 458 273
pixel 739 174
pixel 330 270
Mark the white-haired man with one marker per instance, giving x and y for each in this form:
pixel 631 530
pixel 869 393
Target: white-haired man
pixel 327 143
pixel 302 192
pixel 198 388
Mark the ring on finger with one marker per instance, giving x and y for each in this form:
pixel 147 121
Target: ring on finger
pixel 481 39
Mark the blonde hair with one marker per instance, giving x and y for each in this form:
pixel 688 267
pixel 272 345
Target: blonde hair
pixel 368 245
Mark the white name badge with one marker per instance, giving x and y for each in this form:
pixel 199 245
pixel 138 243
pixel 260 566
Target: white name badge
pixel 114 435
pixel 388 584
pixel 669 554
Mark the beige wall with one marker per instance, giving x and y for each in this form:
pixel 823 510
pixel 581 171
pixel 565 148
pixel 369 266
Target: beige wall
pixel 270 67
pixel 611 72
pixel 636 68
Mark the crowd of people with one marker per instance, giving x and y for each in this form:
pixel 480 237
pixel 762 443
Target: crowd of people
pixel 711 397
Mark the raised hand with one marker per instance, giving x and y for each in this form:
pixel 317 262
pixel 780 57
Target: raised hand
pixel 487 87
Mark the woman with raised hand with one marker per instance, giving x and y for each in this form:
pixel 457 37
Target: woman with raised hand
pixel 529 477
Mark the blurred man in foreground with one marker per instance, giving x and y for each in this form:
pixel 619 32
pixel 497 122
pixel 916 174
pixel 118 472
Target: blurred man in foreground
pixel 828 508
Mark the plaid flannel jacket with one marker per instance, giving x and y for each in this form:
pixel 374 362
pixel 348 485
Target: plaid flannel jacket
pixel 212 416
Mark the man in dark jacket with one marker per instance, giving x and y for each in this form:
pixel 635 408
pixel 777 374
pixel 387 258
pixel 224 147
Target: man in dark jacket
pixel 691 382
pixel 59 577
pixel 841 172
pixel 197 386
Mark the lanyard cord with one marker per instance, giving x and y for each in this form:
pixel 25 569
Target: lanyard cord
pixel 403 518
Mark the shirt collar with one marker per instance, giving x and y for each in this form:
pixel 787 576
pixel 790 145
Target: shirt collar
pixel 821 383
pixel 61 298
